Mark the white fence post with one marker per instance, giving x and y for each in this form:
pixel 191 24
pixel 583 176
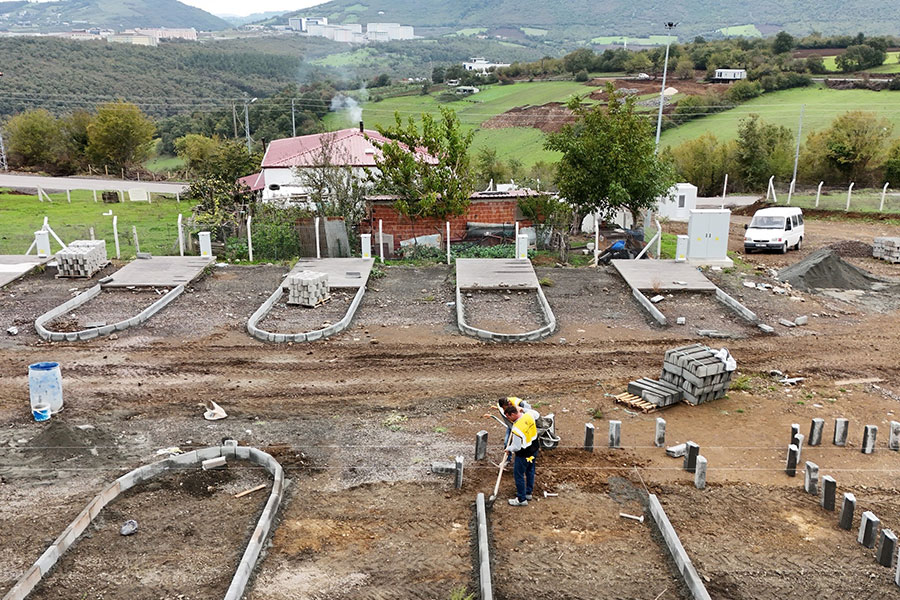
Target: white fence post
pixel 725 190
pixel 381 241
pixel 849 192
pixel 69 196
pixel 95 195
pixel 92 233
pixel 249 238
pixel 116 235
pixel 137 246
pixel 883 192
pixel 318 250
pixel 791 190
pixel 596 240
pixel 180 236
pixel 448 241
pixel 771 188
pixel 178 197
pixel 819 193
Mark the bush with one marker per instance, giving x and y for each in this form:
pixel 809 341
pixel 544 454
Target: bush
pixel 894 84
pixel 581 75
pixel 744 90
pixel 236 249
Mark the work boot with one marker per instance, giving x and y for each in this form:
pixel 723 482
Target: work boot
pixel 517 502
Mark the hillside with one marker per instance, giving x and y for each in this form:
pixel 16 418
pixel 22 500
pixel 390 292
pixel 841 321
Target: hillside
pixel 112 14
pixel 585 19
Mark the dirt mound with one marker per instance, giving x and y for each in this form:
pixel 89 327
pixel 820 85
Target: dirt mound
pixel 548 117
pixel 750 209
pixel 59 440
pixel 852 249
pixel 825 269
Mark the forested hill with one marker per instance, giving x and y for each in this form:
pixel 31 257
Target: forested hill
pixel 112 14
pixel 583 19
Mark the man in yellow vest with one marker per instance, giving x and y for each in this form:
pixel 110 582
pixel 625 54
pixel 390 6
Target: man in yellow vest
pixel 524 444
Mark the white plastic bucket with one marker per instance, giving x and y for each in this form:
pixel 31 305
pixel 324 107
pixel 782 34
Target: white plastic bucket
pixel 45 385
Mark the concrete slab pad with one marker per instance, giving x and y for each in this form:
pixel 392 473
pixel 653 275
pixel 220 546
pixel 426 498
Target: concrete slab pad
pixel 13 266
pixel 350 273
pixel 663 275
pixel 495 274
pixel 160 271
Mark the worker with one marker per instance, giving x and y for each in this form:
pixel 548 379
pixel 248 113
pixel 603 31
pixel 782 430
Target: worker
pixel 524 445
pixel 502 403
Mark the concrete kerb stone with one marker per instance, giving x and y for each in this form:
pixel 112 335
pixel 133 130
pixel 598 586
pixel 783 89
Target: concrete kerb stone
pixel 529 336
pixel 48 559
pixel 484 553
pixel 676 551
pixel 649 307
pixel 310 336
pixel 736 306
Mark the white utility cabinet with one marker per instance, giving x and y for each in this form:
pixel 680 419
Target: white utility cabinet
pixel 708 237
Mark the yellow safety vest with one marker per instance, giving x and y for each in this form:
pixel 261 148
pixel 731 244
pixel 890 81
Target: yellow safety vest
pixel 525 428
pixel 514 401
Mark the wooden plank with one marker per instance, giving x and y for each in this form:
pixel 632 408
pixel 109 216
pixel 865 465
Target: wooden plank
pixel 251 490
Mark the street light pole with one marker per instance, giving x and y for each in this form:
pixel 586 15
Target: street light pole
pixel 669 27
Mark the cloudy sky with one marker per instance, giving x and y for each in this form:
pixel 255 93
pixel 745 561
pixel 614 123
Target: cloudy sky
pixel 242 7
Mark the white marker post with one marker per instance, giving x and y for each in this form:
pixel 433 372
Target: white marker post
pixel 95 195
pixel 791 191
pixel 724 190
pixel 448 242
pixel 69 196
pixel 381 241
pixel 596 240
pixel 180 237
pixel 318 251
pixel 116 235
pixel 883 192
pixel 849 193
pixel 137 246
pixel 249 238
pixel 819 193
pixel 92 234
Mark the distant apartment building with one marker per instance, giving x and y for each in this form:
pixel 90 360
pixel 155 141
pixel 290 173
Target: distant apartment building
pixel 394 31
pixel 482 66
pixel 82 34
pixel 353 33
pixel 135 39
pixel 303 23
pixel 339 33
pixel 165 33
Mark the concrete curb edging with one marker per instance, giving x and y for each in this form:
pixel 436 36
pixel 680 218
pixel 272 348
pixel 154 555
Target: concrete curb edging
pixel 484 553
pixel 26 583
pixel 87 334
pixel 530 336
pixel 736 306
pixel 677 551
pixel 645 302
pixel 309 336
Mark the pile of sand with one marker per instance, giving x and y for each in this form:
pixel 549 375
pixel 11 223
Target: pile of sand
pixel 824 269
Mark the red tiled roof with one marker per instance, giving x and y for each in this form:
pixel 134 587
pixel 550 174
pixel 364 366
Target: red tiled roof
pixel 350 147
pixel 255 182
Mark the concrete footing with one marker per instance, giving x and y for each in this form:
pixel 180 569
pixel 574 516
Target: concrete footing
pixel 481 440
pixel 815 431
pixel 660 437
pixel 700 473
pixel 847 508
pixel 829 490
pixel 868 443
pixel 868 529
pixel 795 431
pixel 792 458
pixel 811 480
pixel 529 336
pixel 615 434
pixel 309 336
pixel 841 427
pixel 887 545
pixel 692 451
pixel 458 479
pixel 589 437
pixel 894 441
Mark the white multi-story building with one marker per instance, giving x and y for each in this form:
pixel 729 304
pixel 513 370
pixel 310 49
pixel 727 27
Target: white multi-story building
pixel 135 39
pixel 303 23
pixel 394 31
pixel 482 66
pixel 164 33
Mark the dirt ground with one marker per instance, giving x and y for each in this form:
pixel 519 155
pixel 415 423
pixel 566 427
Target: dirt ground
pixel 503 311
pixel 357 424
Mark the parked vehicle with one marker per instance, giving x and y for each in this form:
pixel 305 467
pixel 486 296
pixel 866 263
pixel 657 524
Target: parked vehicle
pixel 775 229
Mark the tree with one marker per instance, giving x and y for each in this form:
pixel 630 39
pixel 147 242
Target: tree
pixel 216 158
pixel 579 60
pixel 685 68
pixel 764 149
pixel 855 141
pixel 437 75
pixel 489 168
pixel 703 161
pixel 608 158
pixel 783 42
pixel 196 151
pixel 35 139
pixel 815 64
pixel 552 218
pixel 74 129
pixel 426 166
pixel 892 164
pixel 120 135
pixel 638 62
pixel 860 57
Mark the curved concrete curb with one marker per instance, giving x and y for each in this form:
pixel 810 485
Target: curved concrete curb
pixel 48 559
pixel 87 334
pixel 677 551
pixel 530 336
pixel 485 586
pixel 310 336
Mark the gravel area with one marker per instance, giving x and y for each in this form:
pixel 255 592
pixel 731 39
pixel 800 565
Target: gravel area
pixel 291 318
pixel 503 311
pixel 109 306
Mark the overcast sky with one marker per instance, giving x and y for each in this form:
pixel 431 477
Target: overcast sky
pixel 242 7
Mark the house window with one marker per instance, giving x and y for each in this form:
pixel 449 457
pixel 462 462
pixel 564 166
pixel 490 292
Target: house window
pixel 680 200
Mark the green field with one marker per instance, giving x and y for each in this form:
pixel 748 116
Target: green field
pixel 161 164
pixel 156 223
pixel 861 200
pixel 741 30
pixel 653 40
pixel 470 31
pixel 783 108
pixel 890 64
pixel 525 144
pixel 534 31
pixel 345 59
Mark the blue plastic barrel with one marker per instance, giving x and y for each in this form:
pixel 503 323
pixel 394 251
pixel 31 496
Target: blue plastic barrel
pixel 45 385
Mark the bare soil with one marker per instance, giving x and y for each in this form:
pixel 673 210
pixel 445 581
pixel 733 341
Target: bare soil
pixel 287 318
pixel 548 117
pixel 357 424
pixel 108 307
pixel 503 311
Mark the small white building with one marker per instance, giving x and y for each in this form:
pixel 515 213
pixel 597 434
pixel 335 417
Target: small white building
pixel 679 203
pixel 730 74
pixel 482 66
pixel 467 90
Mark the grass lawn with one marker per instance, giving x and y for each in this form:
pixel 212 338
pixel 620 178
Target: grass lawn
pixel 470 31
pixel 783 108
pixel 653 40
pixel 861 200
pixel 890 64
pixel 156 223
pixel 344 59
pixel 522 143
pixel 741 30
pixel 161 164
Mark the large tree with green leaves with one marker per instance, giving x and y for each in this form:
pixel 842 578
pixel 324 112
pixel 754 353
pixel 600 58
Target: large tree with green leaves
pixel 120 135
pixel 856 141
pixel 608 158
pixel 764 149
pixel 426 166
pixel 35 139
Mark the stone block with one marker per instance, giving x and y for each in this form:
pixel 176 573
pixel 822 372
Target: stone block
pixel 766 328
pixel 242 452
pixel 677 451
pixel 660 437
pixel 692 451
pixel 801 320
pixel 700 473
pixel 209 452
pixel 829 490
pixel 868 529
pixel 848 506
pixel 458 472
pixel 615 434
pixel 213 463
pixel 887 545
pixel 815 431
pixel 841 426
pixel 188 459
pixel 795 431
pixel 811 479
pixel 868 443
pixel 792 460
pixel 589 437
pixel 443 468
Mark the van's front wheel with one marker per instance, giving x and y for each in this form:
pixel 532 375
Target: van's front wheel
pixel 784 248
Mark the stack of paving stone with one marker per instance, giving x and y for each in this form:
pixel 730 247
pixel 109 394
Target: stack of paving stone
pixel 887 248
pixel 82 258
pixel 307 288
pixel 697 372
pixel 658 393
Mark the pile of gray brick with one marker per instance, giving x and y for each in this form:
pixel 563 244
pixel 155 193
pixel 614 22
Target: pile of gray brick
pixel 82 258
pixel 697 372
pixel 887 249
pixel 307 288
pixel 659 393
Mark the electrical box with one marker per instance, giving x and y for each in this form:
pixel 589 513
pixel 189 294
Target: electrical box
pixel 205 245
pixel 42 243
pixel 681 248
pixel 365 241
pixel 522 246
pixel 708 237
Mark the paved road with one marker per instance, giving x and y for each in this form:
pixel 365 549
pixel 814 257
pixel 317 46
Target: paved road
pixel 730 201
pixel 31 182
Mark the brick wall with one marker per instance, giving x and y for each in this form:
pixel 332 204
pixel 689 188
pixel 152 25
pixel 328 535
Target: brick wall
pixel 480 211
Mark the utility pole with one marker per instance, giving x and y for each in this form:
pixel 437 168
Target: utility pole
pixel 797 153
pixel 3 164
pixel 669 27
pixel 234 118
pixel 247 123
pixel 293 122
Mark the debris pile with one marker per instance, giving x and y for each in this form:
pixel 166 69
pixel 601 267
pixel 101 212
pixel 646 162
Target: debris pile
pixel 693 373
pixel 887 249
pixel 308 288
pixel 82 258
pixel 824 269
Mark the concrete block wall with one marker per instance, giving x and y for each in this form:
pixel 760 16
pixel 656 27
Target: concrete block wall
pixel 310 336
pixel 26 583
pixel 88 334
pixel 530 336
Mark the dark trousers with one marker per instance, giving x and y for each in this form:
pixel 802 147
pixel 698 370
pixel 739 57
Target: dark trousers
pixel 523 472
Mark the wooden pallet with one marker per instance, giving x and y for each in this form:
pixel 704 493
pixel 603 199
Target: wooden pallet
pixel 635 402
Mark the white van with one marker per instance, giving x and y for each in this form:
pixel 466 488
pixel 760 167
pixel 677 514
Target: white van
pixel 775 229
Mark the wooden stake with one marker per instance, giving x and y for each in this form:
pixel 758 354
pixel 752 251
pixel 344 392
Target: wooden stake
pixel 250 491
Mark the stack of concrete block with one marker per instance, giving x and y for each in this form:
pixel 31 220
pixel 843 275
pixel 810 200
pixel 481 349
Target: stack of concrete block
pixel 307 288
pixel 659 393
pixel 82 258
pixel 887 249
pixel 697 372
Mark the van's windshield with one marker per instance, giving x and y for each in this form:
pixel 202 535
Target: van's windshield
pixel 766 222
